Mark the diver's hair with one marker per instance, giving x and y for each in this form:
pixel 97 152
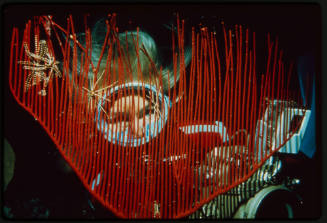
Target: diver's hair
pixel 168 77
pixel 138 51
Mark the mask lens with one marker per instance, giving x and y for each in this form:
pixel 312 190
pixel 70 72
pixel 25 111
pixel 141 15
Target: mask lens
pixel 133 114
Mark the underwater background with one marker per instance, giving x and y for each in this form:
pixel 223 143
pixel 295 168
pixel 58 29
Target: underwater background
pixel 37 182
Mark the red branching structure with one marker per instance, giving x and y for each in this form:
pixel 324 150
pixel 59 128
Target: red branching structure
pixel 175 173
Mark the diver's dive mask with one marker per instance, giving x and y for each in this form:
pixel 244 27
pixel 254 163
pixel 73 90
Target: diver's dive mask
pixel 120 134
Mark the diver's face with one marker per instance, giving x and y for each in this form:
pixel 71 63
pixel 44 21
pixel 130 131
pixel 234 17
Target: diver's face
pixel 132 113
